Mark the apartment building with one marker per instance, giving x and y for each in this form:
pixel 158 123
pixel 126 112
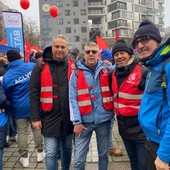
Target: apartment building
pixel 81 20
pixel 3 7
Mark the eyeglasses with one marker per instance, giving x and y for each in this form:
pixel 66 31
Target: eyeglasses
pixel 93 51
pixel 142 40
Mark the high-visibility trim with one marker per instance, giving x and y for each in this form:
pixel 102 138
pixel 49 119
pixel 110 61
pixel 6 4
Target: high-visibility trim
pixel 105 88
pixel 84 103
pixel 165 50
pixel 130 96
pixel 46 100
pixel 117 105
pixel 84 91
pixel 107 99
pixel 47 88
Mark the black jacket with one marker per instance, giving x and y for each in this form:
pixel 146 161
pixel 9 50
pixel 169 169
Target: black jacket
pixel 4 103
pixel 55 123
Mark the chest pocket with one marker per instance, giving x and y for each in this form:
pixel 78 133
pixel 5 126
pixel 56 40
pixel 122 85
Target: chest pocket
pixel 153 82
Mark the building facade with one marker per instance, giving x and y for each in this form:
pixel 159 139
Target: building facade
pixel 81 20
pixel 3 7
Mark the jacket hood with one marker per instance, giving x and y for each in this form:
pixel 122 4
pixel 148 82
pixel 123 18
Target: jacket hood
pixel 47 54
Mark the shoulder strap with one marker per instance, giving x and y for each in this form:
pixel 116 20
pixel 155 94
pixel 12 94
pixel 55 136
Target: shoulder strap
pixel 163 74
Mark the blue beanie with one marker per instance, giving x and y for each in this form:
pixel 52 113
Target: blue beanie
pixel 147 28
pixel 106 55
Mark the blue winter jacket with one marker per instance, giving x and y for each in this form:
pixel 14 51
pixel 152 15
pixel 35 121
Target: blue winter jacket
pixel 98 114
pixel 154 114
pixel 16 84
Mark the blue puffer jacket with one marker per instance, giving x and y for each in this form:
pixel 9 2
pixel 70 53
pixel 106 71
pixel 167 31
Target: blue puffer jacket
pixel 16 84
pixel 154 114
pixel 99 114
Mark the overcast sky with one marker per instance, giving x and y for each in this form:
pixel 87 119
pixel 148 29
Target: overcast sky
pixel 33 13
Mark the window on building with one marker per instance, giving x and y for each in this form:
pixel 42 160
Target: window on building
pixel 75 3
pixel 83 29
pixel 82 11
pixel 59 3
pixel 76 20
pixel 68 29
pixel 67 12
pixel 59 21
pixel 76 38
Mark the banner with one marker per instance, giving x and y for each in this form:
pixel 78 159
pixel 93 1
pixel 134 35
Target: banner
pixel 14 29
pixel 117 34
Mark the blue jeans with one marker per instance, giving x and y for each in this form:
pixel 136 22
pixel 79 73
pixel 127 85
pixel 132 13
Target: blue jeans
pixel 111 144
pixel 136 152
pixel 52 146
pixel 3 133
pixel 82 145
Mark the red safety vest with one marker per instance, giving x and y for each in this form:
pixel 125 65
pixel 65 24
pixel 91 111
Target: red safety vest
pixel 84 98
pixel 127 99
pixel 46 94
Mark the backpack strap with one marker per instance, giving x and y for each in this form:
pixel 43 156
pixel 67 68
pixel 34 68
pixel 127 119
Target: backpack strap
pixel 163 75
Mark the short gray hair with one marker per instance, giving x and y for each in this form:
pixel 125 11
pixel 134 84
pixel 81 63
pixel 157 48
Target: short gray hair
pixel 91 44
pixel 60 36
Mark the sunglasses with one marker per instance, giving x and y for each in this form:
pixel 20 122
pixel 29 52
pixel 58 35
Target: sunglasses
pixel 142 40
pixel 93 51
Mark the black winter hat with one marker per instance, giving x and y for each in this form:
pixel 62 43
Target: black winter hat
pixel 13 55
pixel 121 45
pixel 38 55
pixel 147 28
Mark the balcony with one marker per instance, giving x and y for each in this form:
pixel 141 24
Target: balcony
pixel 96 4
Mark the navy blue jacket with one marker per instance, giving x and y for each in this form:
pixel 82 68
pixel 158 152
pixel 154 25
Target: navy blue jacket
pixel 5 106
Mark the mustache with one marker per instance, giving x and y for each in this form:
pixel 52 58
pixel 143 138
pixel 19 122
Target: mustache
pixel 142 49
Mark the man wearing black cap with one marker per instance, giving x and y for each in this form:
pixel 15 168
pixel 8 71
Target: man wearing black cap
pixel 154 111
pixel 127 85
pixel 16 84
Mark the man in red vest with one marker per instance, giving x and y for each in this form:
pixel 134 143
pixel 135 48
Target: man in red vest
pixel 91 106
pixel 49 102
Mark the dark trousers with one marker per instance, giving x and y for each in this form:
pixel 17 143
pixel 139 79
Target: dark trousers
pixel 150 151
pixel 136 153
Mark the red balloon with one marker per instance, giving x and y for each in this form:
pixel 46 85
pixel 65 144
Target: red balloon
pixel 24 4
pixel 54 11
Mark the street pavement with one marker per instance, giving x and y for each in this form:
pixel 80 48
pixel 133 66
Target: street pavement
pixel 11 156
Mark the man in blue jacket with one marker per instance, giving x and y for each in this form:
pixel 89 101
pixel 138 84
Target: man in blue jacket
pixel 16 84
pixel 91 106
pixel 154 114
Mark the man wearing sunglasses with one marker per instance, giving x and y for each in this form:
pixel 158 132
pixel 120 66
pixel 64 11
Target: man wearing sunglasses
pixel 90 106
pixel 154 114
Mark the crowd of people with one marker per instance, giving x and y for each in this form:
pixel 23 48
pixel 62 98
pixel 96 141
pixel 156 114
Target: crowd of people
pixel 64 97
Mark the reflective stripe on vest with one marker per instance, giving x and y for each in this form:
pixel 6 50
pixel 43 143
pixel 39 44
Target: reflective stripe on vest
pixel 84 98
pixel 46 94
pixel 107 95
pixel 128 97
